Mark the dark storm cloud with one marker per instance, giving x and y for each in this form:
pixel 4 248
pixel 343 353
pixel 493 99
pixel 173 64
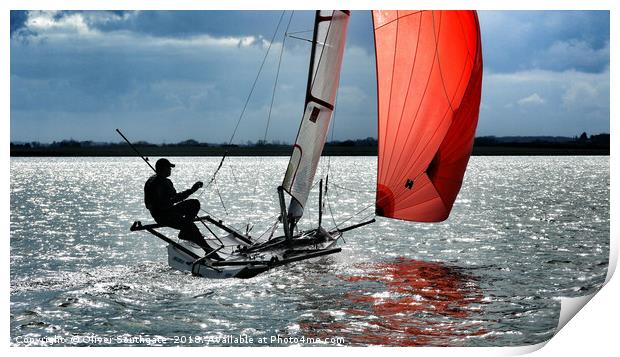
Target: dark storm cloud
pixel 190 23
pixel 548 40
pixel 18 22
pixel 217 23
pixel 95 15
pixel 186 74
pixel 106 71
pixel 18 19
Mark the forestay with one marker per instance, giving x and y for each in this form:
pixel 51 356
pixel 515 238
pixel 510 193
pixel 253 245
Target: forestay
pixel 429 80
pixel 329 37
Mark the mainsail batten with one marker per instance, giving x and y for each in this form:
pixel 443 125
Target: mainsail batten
pixel 323 78
pixel 429 80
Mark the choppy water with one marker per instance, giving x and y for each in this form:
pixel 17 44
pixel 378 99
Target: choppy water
pixel 523 231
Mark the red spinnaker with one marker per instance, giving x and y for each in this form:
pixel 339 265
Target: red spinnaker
pixel 429 81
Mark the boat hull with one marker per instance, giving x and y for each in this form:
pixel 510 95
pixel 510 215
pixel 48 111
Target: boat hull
pixel 180 260
pixel 248 263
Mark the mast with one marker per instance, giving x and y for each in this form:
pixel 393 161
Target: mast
pixel 328 40
pixel 287 232
pixel 320 202
pixel 315 32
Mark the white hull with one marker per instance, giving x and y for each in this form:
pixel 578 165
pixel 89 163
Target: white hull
pixel 245 265
pixel 180 260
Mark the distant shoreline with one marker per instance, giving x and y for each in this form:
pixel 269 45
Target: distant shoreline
pixel 582 145
pixel 524 149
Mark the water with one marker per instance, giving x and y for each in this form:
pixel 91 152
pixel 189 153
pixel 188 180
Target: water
pixel 523 231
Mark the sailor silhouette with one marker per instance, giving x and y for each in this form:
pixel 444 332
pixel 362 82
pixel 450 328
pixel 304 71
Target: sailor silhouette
pixel 171 208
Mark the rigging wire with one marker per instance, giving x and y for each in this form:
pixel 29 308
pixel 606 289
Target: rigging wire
pixel 300 38
pixel 352 190
pixel 296 32
pixel 217 190
pixel 327 196
pixel 271 230
pixel 355 214
pixel 256 79
pixel 331 212
pixel 218 218
pixel 247 101
pixel 329 161
pixel 275 83
pixel 273 95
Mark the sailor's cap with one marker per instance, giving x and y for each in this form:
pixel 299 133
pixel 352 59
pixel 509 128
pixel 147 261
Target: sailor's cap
pixel 161 163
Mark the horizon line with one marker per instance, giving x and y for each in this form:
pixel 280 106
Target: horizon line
pixel 277 141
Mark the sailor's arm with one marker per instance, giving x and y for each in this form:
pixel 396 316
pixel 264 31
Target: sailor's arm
pixel 178 197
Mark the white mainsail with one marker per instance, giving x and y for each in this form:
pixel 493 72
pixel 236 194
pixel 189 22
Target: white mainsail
pixel 330 31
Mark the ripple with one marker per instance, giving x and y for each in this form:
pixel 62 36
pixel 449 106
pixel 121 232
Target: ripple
pixel 487 276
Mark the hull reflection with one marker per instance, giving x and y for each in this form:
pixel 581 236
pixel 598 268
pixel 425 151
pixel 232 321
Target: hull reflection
pixel 405 302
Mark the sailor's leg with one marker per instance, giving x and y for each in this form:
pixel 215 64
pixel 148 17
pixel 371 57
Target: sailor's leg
pixel 183 214
pixel 192 233
pixel 188 209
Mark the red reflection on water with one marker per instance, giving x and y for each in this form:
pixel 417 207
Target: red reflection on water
pixel 423 303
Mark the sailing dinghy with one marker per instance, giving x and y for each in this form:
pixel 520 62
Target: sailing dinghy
pixel 429 80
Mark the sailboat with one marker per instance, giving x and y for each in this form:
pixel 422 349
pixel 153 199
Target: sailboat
pixel 429 80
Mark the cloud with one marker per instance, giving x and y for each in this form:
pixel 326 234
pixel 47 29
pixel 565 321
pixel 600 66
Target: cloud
pixel 192 23
pixel 574 54
pixel 582 92
pixel 546 40
pixel 18 20
pixel 179 24
pixel 573 101
pixel 78 74
pixel 187 74
pixel 168 24
pixel 352 96
pixel 533 99
pixel 83 29
pixel 19 28
pixel 34 23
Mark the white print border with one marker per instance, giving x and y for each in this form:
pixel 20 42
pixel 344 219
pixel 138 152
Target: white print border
pixel 178 340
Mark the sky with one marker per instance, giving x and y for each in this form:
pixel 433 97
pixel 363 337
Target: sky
pixel 167 76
